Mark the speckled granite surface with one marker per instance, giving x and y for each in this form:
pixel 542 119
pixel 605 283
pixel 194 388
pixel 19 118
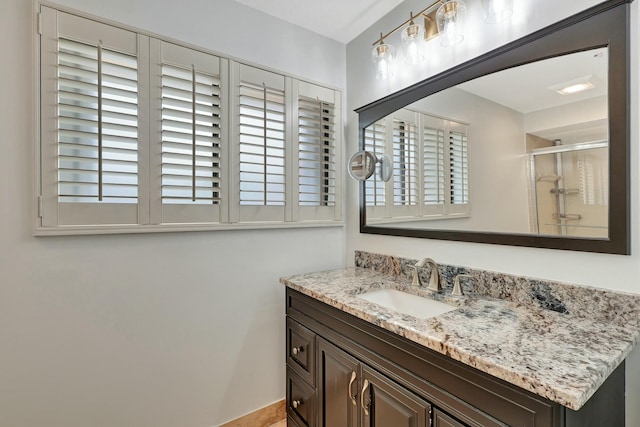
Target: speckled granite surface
pixel 558 341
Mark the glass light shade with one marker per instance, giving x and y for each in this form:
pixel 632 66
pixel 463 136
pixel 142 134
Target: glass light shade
pixel 450 18
pixel 497 10
pixel 383 56
pixel 413 44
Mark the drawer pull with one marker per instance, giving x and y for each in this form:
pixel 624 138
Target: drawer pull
pixel 365 408
pixel 297 403
pixel 296 350
pixel 351 395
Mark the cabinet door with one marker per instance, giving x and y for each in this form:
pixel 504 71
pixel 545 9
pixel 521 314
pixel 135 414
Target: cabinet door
pixel 338 375
pixel 384 403
pixel 440 419
pixel 301 400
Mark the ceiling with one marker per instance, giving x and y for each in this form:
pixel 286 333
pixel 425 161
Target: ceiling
pixel 341 20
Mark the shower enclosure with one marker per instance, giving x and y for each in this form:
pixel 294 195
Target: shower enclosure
pixel 569 190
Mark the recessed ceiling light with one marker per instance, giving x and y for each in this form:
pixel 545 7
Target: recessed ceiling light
pixel 574 86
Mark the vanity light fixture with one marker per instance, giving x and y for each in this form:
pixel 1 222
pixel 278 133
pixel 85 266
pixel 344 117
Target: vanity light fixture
pixel 441 18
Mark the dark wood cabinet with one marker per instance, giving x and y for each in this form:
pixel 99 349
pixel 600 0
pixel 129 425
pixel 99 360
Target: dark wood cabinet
pixel 338 387
pixel 346 372
pixel 351 394
pixel 385 403
pixel 440 419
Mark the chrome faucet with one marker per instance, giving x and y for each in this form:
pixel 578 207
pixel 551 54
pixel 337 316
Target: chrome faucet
pixel 434 280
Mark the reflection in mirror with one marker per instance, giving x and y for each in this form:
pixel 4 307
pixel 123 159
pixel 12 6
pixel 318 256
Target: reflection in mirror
pixel 523 150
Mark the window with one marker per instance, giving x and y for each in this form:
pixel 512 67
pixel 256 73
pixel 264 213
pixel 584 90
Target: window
pixel 90 120
pixel 316 144
pixel 138 133
pixel 374 142
pixel 188 140
pixel 430 168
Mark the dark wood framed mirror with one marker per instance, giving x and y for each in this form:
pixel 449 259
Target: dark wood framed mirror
pixel 600 33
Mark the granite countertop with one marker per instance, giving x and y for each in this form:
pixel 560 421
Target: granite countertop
pixel 559 356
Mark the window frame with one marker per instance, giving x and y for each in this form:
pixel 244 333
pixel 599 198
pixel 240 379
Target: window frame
pixel 421 211
pixel 149 212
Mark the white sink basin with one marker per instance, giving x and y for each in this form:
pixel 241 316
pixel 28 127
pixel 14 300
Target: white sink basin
pixel 410 304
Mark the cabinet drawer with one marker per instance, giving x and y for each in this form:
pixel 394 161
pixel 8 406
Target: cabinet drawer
pixel 301 400
pixel 301 350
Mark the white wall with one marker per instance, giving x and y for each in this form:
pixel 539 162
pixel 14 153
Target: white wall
pixel 498 197
pixel 163 330
pixel 605 271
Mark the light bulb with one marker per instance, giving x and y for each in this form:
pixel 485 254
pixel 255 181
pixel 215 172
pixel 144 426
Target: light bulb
pixel 413 43
pixel 497 10
pixel 450 18
pixel 383 56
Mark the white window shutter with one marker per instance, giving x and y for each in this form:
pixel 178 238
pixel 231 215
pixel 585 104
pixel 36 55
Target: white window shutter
pixel 458 193
pixel 261 124
pixel 142 134
pixel 406 165
pixel 90 124
pixel 317 135
pixel 189 138
pixel 374 142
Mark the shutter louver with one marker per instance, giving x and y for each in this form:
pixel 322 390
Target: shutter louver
pixel 262 142
pixel 374 141
pixel 433 140
pixel 191 136
pixel 97 124
pixel 405 180
pixel 316 153
pixel 459 192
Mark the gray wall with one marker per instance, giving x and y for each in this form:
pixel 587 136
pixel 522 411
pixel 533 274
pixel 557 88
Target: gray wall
pixel 163 330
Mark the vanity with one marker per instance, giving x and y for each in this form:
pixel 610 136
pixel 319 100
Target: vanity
pixel 489 362
pixel 513 351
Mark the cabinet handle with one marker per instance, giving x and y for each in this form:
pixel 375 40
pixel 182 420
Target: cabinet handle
pixel 296 350
pixel 351 395
pixel 365 408
pixel 297 403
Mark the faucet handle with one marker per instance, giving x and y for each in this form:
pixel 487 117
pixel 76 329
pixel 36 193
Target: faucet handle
pixel 457 289
pixel 416 276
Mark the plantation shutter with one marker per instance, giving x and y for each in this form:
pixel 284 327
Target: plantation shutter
pixel 374 142
pixel 261 128
pixel 318 110
pixel 406 165
pixel 91 165
pixel 189 156
pixel 434 168
pixel 459 175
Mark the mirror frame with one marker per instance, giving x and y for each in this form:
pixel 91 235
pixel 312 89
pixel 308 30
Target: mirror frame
pixel 603 25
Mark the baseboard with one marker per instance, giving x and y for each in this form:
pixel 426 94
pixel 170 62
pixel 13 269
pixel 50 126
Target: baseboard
pixel 262 417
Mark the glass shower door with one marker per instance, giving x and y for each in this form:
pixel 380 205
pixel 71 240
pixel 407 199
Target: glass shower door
pixel 571 190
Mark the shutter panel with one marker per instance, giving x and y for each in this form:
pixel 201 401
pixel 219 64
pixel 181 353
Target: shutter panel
pixel 97 124
pixel 261 119
pixel 459 175
pixel 190 131
pixel 405 178
pixel 434 170
pixel 316 153
pixel 374 142
pixel 316 137
pixel 90 124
